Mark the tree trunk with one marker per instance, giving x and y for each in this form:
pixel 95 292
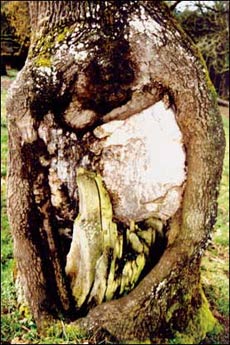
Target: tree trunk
pixel 102 81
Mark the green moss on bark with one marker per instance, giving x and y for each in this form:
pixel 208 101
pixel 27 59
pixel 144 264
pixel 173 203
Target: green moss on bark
pixel 203 322
pixel 43 61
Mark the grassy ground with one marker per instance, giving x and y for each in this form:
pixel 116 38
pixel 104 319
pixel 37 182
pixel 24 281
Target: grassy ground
pixel 18 328
pixel 215 264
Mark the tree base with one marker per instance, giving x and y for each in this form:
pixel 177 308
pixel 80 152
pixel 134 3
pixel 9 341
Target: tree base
pixel 199 325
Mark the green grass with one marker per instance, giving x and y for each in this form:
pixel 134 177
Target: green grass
pixel 215 263
pixel 222 225
pixel 10 318
pixel 3 133
pixel 12 73
pixel 214 270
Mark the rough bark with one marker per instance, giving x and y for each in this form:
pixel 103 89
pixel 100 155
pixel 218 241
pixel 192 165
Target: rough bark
pixel 90 63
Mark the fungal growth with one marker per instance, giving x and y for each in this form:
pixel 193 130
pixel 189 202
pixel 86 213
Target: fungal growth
pixel 136 179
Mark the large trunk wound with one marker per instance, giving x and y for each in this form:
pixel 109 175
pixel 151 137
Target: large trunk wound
pixel 139 183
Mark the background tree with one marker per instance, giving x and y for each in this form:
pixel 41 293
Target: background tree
pixel 90 63
pixel 15 33
pixel 208 26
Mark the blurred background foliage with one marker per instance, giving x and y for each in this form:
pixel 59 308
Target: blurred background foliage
pixel 206 22
pixel 15 34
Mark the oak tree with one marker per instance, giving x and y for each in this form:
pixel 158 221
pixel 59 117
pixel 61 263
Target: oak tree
pixel 115 157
